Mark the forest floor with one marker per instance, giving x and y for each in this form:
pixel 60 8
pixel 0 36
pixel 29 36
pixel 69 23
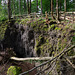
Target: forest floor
pixel 5 61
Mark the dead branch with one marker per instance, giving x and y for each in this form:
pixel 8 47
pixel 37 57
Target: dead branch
pixel 70 62
pixel 71 57
pixel 33 58
pixel 60 54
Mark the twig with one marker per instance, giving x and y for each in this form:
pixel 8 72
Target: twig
pixel 71 57
pixel 43 70
pixel 4 66
pixel 51 69
pixel 70 62
pixel 60 54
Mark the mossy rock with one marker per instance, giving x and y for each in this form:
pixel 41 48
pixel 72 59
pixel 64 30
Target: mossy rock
pixel 14 70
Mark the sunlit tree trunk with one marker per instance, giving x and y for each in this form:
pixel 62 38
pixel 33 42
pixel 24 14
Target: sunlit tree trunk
pixel 52 8
pixel 57 9
pixel 41 7
pixel 9 10
pixel 28 6
pixel 37 6
pixel 19 6
pixel 64 9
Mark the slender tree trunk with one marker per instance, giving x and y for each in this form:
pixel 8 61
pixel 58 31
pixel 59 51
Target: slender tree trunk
pixel 37 6
pixel 57 9
pixel 60 4
pixel 14 7
pixel 64 9
pixel 52 8
pixel 19 6
pixel 9 10
pixel 41 7
pixel 24 5
pixel 28 6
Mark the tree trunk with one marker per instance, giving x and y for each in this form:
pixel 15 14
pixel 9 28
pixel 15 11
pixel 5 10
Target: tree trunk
pixel 9 10
pixel 20 7
pixel 24 5
pixel 64 9
pixel 52 8
pixel 57 9
pixel 28 6
pixel 37 6
pixel 41 7
pixel 60 4
pixel 17 7
pixel 14 7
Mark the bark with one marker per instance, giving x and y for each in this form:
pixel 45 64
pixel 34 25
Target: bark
pixel 60 4
pixel 41 7
pixel 52 8
pixel 57 9
pixel 9 10
pixel 28 6
pixel 37 6
pixel 64 9
pixel 14 7
pixel 19 6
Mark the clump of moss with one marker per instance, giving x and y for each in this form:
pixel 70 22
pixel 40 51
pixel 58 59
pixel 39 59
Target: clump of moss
pixel 3 28
pixel 14 70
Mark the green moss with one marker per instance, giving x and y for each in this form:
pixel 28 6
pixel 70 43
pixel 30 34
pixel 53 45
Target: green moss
pixel 71 53
pixel 58 66
pixel 57 28
pixel 3 28
pixel 66 27
pixel 24 21
pixel 52 27
pixel 13 70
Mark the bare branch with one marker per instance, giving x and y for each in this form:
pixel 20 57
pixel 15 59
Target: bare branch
pixel 33 58
pixel 70 62
pixel 60 54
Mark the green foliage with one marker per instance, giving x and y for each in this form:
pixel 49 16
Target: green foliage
pixel 2 13
pixel 3 28
pixel 52 27
pixel 14 70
